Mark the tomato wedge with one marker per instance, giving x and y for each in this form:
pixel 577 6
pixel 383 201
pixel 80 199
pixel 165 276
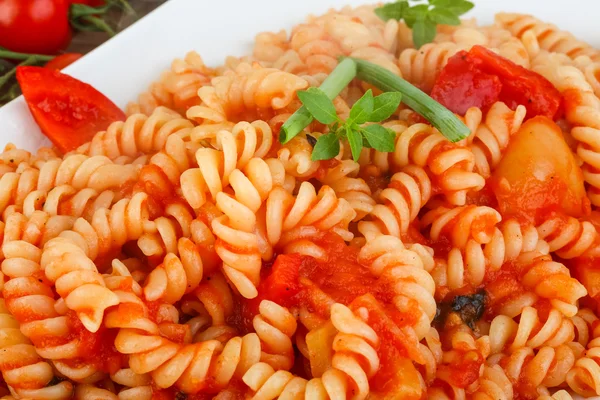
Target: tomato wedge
pixel 68 111
pixel 481 77
pixel 62 61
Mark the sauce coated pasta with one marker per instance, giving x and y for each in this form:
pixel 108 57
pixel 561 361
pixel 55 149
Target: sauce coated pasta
pixel 190 252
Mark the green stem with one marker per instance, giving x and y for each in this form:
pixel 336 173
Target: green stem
pixel 99 24
pixel 339 78
pixel 23 56
pixel 32 60
pixel 439 116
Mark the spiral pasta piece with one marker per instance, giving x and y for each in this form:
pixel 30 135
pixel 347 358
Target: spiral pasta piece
pixel 493 385
pixel 342 179
pixel 544 368
pixel 177 87
pixel 322 210
pixel 461 224
pixel 490 138
pixel 249 87
pixel 530 331
pixel 275 326
pixel 78 171
pixel 22 368
pixel 239 243
pixel 67 259
pixel 413 286
pixel 549 36
pixel 584 377
pixel 399 204
pixel 138 134
pixel 354 362
pixel 421 67
pixel 469 265
pixel 450 165
pixel 296 158
pixel 568 237
pixel 176 276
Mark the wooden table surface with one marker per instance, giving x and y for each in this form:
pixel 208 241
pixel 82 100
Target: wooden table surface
pixel 83 42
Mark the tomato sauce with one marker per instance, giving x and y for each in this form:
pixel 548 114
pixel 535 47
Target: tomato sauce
pixel 95 348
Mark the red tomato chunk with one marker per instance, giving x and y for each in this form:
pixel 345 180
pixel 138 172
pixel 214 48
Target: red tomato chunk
pixel 480 77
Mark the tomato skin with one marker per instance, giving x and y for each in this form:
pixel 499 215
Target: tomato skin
pixel 485 70
pixel 62 61
pixel 35 26
pixel 68 111
pixel 461 86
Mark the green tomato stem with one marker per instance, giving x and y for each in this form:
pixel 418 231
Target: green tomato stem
pixel 4 53
pixel 439 116
pixel 339 78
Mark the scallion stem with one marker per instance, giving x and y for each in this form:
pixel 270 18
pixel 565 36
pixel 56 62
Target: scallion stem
pixel 335 82
pixel 439 116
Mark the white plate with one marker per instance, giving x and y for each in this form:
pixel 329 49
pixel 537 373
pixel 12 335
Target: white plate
pixel 125 65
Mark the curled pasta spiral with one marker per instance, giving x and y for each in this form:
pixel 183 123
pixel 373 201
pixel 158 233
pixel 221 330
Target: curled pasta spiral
pixel 275 326
pixel 450 165
pixel 135 386
pixel 567 236
pixel 468 265
pixel 270 46
pixel 549 36
pixel 584 377
pixel 342 179
pixel 137 134
pixel 239 243
pixel 530 331
pixel 421 67
pixel 493 385
pixel 67 259
pixel 322 210
pixel 190 367
pixel 354 362
pixel 249 87
pixel 400 203
pixel 177 275
pixel 413 286
pixel 462 224
pixel 490 138
pixel 22 368
pixel 79 171
pixel 177 88
pixel 544 368
pixel 296 158
pixel 551 280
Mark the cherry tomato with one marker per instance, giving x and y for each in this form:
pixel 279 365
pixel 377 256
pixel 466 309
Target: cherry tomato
pixel 62 61
pixel 68 111
pixel 481 77
pixel 35 26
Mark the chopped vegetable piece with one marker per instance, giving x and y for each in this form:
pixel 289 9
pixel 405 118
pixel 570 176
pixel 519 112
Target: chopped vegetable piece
pixel 63 60
pixel 438 115
pixel 461 85
pixel 68 111
pixel 483 69
pixel 539 175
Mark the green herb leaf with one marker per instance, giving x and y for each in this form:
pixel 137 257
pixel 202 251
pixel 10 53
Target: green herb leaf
pixel 417 12
pixel 392 10
pixel 355 140
pixel 423 32
pixel 380 138
pixel 444 16
pixel 441 3
pixel 327 147
pixel 362 109
pixel 384 106
pixel 460 7
pixel 319 105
